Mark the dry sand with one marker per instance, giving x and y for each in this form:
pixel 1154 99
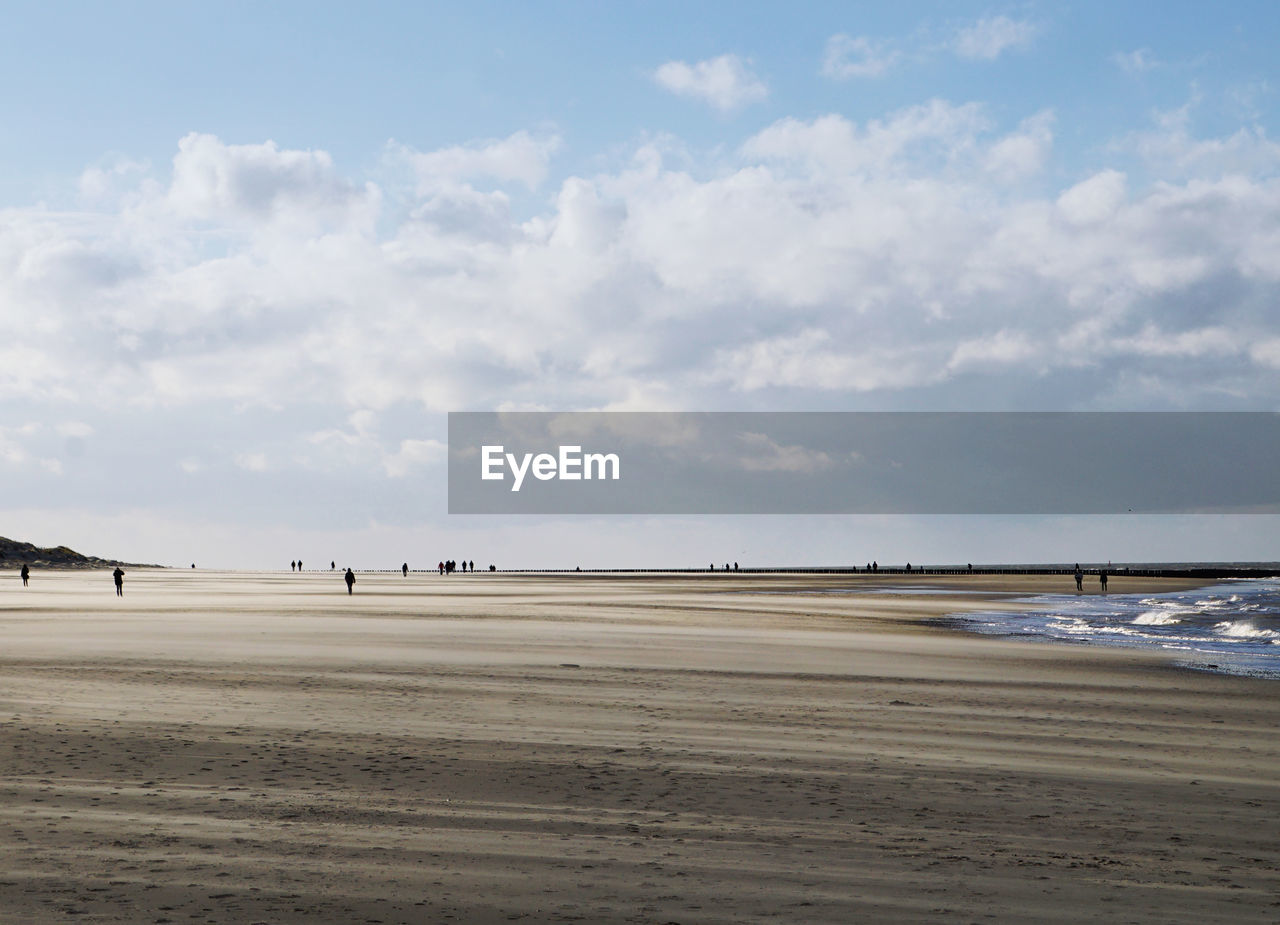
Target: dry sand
pixel 219 747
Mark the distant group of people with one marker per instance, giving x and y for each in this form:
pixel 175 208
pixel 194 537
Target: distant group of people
pixel 446 567
pixel 449 566
pixel 117 575
pixel 1102 578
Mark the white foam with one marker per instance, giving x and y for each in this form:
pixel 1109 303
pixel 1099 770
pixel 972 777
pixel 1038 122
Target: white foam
pixel 1155 618
pixel 1243 629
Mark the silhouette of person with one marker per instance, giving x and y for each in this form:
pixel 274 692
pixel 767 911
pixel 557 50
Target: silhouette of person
pixel 193 565
pixel 1102 580
pixel 473 565
pixel 908 566
pixel 332 565
pixel 875 566
pixel 118 575
pixel 26 573
pixel 292 565
pixel 440 566
pixel 299 565
pixel 1079 578
pixel 735 566
pixel 350 579
pixel 404 570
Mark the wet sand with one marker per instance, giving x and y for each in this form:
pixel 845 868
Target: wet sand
pixel 219 747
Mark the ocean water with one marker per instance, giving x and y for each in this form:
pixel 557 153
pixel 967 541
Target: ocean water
pixel 1232 627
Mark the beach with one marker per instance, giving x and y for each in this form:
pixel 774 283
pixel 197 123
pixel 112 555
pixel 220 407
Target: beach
pixel 263 747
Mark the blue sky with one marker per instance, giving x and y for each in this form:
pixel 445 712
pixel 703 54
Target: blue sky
pixel 251 253
pixel 89 81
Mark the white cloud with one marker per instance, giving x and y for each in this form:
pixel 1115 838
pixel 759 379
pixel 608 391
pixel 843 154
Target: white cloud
pixel 413 454
pixel 1174 152
pixel 909 139
pixel 812 359
pixel 1267 352
pixel 726 82
pixel 100 183
pixel 989 37
pixel 252 462
pixel 823 257
pixel 1001 348
pixel 1022 153
pixel 1093 200
pixel 1136 61
pixel 521 158
pixel 219 182
pixel 20 447
pixel 857 56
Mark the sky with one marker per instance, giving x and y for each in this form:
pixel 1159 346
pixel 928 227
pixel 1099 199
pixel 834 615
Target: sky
pixel 252 254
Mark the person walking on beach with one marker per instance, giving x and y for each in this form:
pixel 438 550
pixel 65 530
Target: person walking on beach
pixel 404 570
pixel 1079 578
pixel 1102 580
pixel 118 575
pixel 25 573
pixel 292 565
pixel 350 579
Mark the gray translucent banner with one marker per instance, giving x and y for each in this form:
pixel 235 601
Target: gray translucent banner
pixel 863 462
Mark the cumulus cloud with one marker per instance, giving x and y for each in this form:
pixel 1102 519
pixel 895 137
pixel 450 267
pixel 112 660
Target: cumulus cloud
pixel 991 36
pixel 1094 199
pixel 911 140
pixel 217 181
pixel 1023 152
pixel 1173 151
pixel 725 83
pixel 521 157
pixel 857 56
pixel 821 260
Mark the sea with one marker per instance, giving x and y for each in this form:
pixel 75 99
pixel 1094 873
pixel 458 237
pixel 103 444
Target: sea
pixel 1232 627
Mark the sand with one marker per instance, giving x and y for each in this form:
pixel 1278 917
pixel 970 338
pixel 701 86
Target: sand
pixel 218 747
